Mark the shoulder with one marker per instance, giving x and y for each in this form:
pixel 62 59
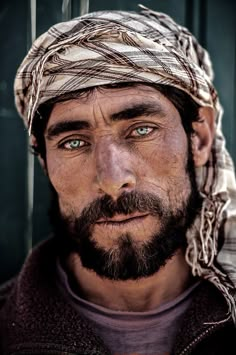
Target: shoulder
pixel 5 290
pixel 40 261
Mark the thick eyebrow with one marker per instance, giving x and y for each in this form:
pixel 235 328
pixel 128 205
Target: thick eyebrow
pixel 65 126
pixel 138 110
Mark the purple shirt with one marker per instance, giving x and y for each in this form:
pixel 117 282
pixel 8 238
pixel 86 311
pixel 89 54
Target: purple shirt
pixel 132 333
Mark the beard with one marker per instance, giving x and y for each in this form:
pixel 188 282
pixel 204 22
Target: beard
pixel 128 259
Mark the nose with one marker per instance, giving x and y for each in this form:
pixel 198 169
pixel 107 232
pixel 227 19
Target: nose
pixel 114 170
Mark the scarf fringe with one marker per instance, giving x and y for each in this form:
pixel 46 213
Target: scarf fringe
pixel 203 247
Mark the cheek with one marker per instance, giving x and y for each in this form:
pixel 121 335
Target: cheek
pixel 177 180
pixel 168 157
pixel 71 179
pixel 177 151
pixel 59 174
pixel 164 169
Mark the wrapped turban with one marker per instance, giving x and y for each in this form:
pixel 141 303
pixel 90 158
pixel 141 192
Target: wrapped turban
pixel 111 47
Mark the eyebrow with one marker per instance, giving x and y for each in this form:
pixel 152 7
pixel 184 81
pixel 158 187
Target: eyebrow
pixel 134 111
pixel 66 126
pixel 138 110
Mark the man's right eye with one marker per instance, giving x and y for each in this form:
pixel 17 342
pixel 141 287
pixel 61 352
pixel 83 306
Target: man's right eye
pixel 73 144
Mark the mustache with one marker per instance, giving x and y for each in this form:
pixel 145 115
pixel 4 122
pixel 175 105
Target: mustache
pixel 127 203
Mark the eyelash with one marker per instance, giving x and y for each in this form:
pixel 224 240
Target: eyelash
pixel 63 144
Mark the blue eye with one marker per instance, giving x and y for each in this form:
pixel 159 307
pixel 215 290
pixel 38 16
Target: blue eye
pixel 142 131
pixel 74 144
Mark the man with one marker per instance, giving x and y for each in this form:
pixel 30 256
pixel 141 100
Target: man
pixel 126 122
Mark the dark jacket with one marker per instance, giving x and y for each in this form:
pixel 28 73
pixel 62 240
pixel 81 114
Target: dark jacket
pixel 36 319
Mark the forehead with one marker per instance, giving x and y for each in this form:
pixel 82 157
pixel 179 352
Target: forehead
pixel 107 102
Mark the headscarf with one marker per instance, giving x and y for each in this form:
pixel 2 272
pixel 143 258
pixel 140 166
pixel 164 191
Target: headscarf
pixel 109 47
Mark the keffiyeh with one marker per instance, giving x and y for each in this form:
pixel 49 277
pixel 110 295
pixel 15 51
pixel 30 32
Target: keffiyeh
pixel 117 46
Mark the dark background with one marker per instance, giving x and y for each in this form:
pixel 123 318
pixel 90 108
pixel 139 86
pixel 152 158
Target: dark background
pixel 212 21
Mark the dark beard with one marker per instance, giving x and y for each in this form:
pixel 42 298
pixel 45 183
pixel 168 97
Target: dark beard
pixel 129 260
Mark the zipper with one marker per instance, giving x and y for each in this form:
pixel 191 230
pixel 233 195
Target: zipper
pixel 201 336
pixel 197 340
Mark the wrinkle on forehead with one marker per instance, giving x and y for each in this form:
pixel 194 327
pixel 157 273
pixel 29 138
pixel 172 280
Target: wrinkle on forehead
pixel 120 98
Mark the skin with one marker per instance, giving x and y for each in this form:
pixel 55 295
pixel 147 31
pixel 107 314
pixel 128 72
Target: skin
pixel 115 152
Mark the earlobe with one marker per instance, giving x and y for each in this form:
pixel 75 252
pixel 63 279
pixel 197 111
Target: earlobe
pixel 202 138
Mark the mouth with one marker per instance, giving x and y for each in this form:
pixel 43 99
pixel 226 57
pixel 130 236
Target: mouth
pixel 121 220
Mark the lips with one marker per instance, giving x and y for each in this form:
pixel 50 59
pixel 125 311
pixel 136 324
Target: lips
pixel 122 219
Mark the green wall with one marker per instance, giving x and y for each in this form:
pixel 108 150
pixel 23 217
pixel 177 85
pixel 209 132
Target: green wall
pixel 212 21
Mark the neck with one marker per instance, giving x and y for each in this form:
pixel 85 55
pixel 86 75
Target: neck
pixel 138 296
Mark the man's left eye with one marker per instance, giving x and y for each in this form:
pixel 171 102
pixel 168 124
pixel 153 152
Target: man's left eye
pixel 142 131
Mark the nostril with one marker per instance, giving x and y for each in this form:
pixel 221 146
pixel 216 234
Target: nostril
pixel 125 185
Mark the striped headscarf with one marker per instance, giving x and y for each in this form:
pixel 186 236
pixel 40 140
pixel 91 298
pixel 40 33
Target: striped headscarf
pixel 117 46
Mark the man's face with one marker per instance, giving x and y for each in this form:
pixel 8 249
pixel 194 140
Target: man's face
pixel 119 162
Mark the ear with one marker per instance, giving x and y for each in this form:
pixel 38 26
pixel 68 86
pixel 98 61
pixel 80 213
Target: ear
pixel 202 138
pixel 43 164
pixel 33 143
